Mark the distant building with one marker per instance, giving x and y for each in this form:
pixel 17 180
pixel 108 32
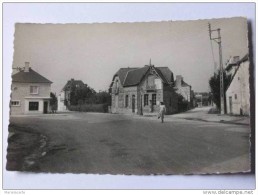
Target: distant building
pixel 184 89
pixel 64 97
pixel 238 94
pixel 140 90
pixel 202 99
pixel 30 92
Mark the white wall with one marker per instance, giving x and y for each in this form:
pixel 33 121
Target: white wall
pixel 240 87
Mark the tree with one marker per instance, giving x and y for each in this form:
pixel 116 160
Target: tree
pixel 80 94
pixel 103 97
pixel 182 103
pixel 214 83
pixel 53 102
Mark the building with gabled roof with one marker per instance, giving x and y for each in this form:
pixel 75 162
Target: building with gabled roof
pixel 238 91
pixel 140 90
pixel 30 92
pixel 185 90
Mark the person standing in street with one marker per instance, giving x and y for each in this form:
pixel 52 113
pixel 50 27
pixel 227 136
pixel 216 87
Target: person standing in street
pixel 162 111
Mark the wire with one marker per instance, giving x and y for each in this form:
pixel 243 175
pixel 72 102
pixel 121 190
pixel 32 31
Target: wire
pixel 213 58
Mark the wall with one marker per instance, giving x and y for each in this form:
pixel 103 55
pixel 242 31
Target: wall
pixel 60 105
pixel 143 90
pixel 122 92
pixel 239 87
pixel 22 90
pixel 185 92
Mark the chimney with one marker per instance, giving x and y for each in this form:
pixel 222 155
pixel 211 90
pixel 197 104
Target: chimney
pixel 27 67
pixel 179 79
pixel 234 60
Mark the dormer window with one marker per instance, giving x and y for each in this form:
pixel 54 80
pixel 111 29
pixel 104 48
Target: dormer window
pixel 34 89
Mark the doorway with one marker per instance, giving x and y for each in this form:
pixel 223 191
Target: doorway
pixel 45 109
pixel 133 103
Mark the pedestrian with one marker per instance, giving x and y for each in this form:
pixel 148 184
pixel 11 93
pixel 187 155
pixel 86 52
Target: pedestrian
pixel 162 111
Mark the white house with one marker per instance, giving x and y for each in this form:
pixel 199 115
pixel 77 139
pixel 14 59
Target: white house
pixel 61 101
pixel 30 92
pixel 238 93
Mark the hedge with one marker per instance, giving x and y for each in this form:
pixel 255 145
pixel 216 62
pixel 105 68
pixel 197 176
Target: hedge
pixel 90 108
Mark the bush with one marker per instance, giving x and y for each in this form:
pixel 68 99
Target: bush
pixel 90 108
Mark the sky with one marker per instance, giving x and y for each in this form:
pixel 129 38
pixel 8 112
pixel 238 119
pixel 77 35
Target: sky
pixel 94 52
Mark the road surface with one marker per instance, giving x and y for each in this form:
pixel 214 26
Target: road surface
pixel 123 144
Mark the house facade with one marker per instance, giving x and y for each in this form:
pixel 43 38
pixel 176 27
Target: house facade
pixel 140 90
pixel 185 90
pixel 30 92
pixel 238 93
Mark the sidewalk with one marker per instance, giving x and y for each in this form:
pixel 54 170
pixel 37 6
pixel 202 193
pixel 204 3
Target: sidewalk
pixel 201 114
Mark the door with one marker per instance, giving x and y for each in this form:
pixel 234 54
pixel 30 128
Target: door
pixel 133 103
pixel 45 109
pixel 230 105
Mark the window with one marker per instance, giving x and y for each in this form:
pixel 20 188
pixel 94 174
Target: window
pixel 34 89
pixel 235 96
pixel 146 99
pixel 126 101
pixel 154 99
pixel 33 106
pixel 15 103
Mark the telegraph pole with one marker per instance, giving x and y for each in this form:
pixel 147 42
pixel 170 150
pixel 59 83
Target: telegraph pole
pixel 218 40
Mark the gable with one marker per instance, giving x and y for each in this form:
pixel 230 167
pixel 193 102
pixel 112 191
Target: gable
pixel 133 76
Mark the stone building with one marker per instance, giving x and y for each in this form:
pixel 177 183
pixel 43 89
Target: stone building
pixel 30 92
pixel 238 93
pixel 140 90
pixel 185 90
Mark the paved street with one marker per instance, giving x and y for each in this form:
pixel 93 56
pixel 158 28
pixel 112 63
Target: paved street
pixel 123 144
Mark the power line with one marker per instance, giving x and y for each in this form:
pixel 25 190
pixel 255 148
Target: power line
pixel 213 58
pixel 222 92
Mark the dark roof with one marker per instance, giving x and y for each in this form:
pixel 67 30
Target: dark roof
pixel 122 72
pixel 245 58
pixel 184 84
pixel 74 82
pixel 167 73
pixel 133 76
pixel 230 65
pixel 29 77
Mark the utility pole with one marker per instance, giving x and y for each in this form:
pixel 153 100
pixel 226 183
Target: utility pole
pixel 218 40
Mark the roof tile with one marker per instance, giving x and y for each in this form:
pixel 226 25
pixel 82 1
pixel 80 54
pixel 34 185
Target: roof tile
pixel 29 77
